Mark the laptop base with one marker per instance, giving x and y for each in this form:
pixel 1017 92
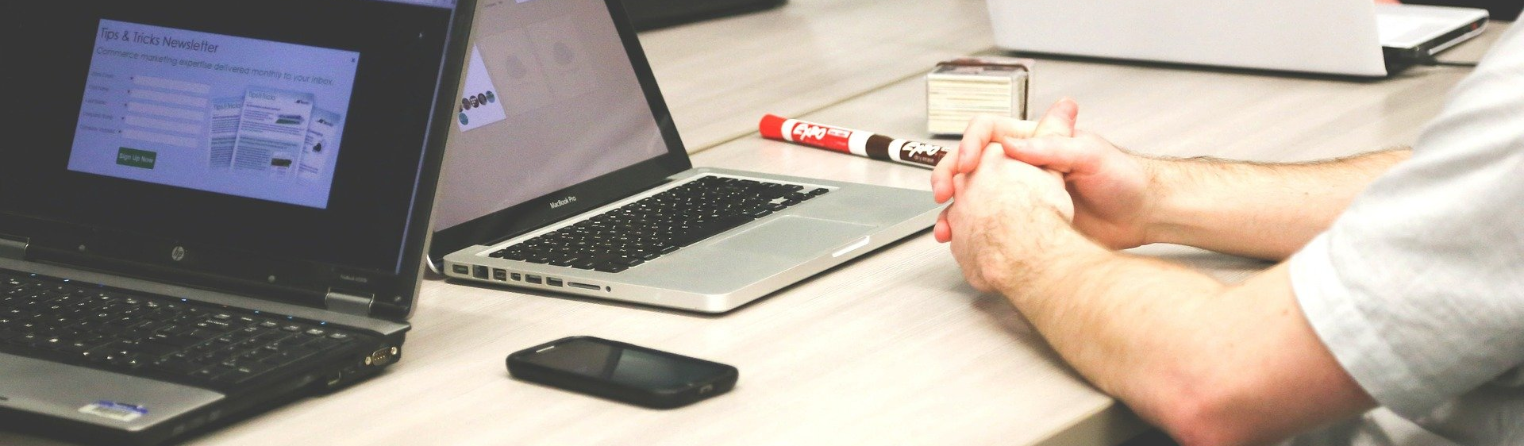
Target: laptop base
pixel 731 269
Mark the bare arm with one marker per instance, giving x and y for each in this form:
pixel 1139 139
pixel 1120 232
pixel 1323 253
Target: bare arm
pixel 1123 200
pixel 1266 211
pixel 1210 363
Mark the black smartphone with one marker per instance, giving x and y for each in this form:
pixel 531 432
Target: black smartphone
pixel 622 372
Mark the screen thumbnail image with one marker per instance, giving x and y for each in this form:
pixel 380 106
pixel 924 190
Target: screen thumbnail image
pixel 280 133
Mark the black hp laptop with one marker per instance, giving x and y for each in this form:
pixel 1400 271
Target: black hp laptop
pixel 209 208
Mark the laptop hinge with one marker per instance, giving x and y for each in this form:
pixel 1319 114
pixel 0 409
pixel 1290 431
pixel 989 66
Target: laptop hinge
pixel 348 303
pixel 13 248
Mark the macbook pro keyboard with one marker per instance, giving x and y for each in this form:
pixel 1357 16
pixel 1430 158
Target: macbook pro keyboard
pixel 649 228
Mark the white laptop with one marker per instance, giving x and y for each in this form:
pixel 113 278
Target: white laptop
pixel 566 174
pixel 1341 37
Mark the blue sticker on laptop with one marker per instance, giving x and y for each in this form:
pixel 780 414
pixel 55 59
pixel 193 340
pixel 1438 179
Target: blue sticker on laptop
pixel 117 411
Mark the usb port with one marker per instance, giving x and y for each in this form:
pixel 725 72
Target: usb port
pixel 553 282
pixel 518 277
pixel 532 279
pixel 500 275
pixel 479 272
pixel 462 269
pixel 584 286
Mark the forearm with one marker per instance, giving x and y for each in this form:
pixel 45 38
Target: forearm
pixel 1184 351
pixel 1266 211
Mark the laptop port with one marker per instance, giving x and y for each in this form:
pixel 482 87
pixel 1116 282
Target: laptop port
pixel 382 357
pixel 532 279
pixel 585 286
pixel 462 269
pixel 553 282
pixel 500 275
pixel 518 277
pixel 479 272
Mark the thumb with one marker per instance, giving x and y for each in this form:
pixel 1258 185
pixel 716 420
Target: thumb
pixel 1059 120
pixel 1049 153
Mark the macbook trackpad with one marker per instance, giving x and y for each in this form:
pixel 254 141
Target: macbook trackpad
pixel 791 236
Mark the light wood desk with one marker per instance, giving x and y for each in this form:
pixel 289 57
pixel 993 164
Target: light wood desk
pixel 890 349
pixel 720 76
pixel 1161 110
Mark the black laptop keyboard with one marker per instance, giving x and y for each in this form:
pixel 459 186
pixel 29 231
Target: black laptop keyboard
pixel 644 230
pixel 154 336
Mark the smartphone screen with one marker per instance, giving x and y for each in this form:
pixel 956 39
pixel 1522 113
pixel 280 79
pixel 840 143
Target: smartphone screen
pixel 625 366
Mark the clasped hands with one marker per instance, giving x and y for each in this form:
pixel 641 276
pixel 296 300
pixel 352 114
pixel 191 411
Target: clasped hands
pixel 1018 186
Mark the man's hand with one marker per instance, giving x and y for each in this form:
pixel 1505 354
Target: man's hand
pixel 981 133
pixel 1114 192
pixel 1000 212
pixel 1111 188
pixel 1184 351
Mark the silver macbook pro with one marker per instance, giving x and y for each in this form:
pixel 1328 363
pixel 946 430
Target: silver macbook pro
pixel 565 173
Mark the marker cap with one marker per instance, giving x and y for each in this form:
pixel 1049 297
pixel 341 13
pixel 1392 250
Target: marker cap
pixel 772 126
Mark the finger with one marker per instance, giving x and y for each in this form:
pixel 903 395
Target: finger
pixel 1059 120
pixel 984 130
pixel 941 176
pixel 1062 155
pixel 943 230
pixel 951 216
pixel 994 156
pixel 978 135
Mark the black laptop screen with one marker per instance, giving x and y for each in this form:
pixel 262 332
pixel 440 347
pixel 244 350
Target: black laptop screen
pixel 290 129
pixel 214 112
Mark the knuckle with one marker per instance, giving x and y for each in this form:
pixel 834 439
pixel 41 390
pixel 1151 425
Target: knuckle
pixel 971 277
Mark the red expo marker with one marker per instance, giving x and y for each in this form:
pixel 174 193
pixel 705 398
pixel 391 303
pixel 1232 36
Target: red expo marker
pixel 860 143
